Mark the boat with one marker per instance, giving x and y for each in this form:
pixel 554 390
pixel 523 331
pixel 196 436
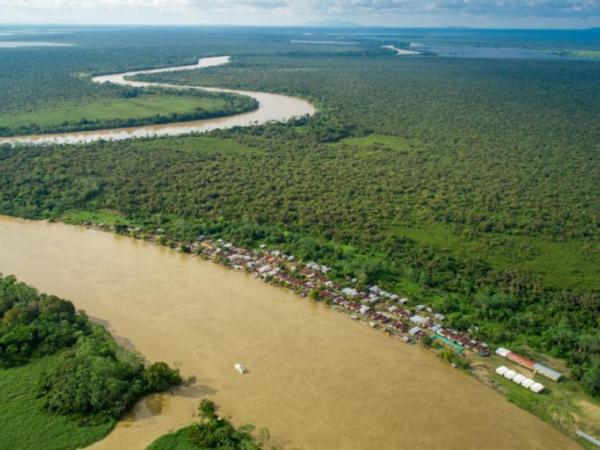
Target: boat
pixel 240 368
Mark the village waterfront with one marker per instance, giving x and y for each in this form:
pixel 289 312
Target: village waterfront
pixel 320 365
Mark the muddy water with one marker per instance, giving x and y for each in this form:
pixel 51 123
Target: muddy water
pixel 317 379
pixel 272 107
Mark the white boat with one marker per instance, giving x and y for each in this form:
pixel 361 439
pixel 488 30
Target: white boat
pixel 240 368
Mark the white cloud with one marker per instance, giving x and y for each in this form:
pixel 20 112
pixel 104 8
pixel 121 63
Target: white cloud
pixel 296 11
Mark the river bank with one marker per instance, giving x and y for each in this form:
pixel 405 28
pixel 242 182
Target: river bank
pixel 317 380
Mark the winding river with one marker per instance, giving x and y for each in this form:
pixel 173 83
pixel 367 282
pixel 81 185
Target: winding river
pixel 317 380
pixel 272 107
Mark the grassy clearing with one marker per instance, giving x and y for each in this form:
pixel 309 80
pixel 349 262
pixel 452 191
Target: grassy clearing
pixel 571 264
pixel 105 216
pixel 141 107
pixel 26 426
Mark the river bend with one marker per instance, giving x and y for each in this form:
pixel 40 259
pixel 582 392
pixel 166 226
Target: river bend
pixel 271 107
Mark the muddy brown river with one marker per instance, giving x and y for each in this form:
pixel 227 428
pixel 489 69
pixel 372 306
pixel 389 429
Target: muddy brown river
pixel 271 107
pixel 317 379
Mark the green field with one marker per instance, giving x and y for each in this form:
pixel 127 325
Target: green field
pixel 26 423
pixel 112 109
pixel 146 108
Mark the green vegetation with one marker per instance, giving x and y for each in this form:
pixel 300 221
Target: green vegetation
pixel 25 423
pixel 64 373
pixel 211 432
pixel 140 107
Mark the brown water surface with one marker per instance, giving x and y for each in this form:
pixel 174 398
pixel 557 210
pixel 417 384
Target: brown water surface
pixel 317 379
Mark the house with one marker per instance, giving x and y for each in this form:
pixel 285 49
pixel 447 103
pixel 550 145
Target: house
pixel 482 348
pixel 350 292
pixel 373 298
pixel 414 331
pixel 364 309
pixel 419 320
pixel 264 269
pixel 435 327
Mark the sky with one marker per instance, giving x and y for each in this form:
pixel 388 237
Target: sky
pixel 401 13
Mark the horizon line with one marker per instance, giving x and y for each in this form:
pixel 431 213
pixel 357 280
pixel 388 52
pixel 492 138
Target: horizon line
pixel 308 25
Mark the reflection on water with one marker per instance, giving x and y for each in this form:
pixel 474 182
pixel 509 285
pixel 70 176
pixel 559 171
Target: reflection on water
pixel 317 380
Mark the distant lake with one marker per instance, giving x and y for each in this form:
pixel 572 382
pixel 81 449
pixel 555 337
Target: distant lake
pixel 19 44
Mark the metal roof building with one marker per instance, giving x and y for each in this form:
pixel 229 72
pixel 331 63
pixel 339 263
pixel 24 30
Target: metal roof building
pixel 527 383
pixel 536 387
pixel 501 370
pixel 547 372
pixel 518 378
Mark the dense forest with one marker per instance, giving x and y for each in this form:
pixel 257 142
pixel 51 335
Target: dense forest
pixel 87 377
pixel 470 185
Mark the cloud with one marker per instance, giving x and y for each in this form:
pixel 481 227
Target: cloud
pixel 332 8
pixel 144 4
pixel 560 8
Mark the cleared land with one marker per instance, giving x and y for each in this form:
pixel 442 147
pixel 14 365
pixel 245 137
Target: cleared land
pixel 26 423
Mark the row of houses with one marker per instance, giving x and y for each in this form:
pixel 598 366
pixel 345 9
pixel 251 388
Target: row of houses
pixel 379 307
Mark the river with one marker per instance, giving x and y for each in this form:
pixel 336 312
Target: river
pixel 317 380
pixel 272 107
